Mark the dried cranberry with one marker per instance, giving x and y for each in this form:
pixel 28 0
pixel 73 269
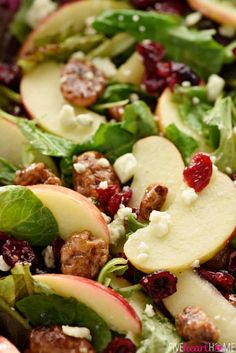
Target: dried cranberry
pixel 221 279
pixel 12 5
pixel 198 174
pixel 18 251
pixel 9 74
pixel 233 176
pixel 220 261
pixel 57 244
pixel 110 199
pixel 234 51
pixel 152 53
pixel 3 238
pixel 184 73
pixel 120 345
pixel 232 263
pixel 159 285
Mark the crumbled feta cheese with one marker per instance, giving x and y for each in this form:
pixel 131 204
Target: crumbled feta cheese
pixel 134 97
pixel 106 218
pixel 120 18
pixel 89 75
pixel 142 257
pixel 149 310
pixel 84 119
pixel 3 265
pixel 143 247
pixel 125 167
pixel 48 255
pixel 189 196
pixel 116 230
pixel 159 223
pixel 142 28
pixel 227 31
pixel 135 18
pixel 228 170
pixel 195 100
pixel 78 55
pixel 196 264
pixel 78 332
pixel 103 185
pixel 215 86
pixel 123 212
pixel 103 162
pixel 67 116
pixel 79 167
pixel 192 19
pixel 186 84
pixel 38 11
pixel 106 66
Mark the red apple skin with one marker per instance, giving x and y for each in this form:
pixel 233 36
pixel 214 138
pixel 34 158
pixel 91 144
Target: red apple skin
pixel 6 346
pixel 225 15
pixel 95 295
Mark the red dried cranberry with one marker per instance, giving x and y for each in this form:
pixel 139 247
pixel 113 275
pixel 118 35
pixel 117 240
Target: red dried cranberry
pixel 232 263
pixel 18 251
pixel 152 53
pixel 114 204
pixel 159 285
pixel 233 176
pixel 221 279
pixel 3 238
pixel 57 244
pixel 234 51
pixel 120 345
pixel 110 199
pixel 164 69
pixel 104 195
pixel 9 74
pixel 198 174
pixel 12 5
pixel 184 73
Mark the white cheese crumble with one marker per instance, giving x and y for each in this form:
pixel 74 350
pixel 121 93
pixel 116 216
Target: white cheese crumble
pixel 106 66
pixel 124 212
pixel 116 230
pixel 149 310
pixel 38 11
pixel 84 119
pixel 3 265
pixel 67 116
pixel 125 167
pixel 195 100
pixel 227 31
pixel 186 84
pixel 78 332
pixel 228 170
pixel 215 86
pixel 196 264
pixel 159 223
pixel 135 18
pixel 103 185
pixel 48 255
pixel 106 218
pixel 79 168
pixel 142 28
pixel 189 196
pixel 103 162
pixel 193 18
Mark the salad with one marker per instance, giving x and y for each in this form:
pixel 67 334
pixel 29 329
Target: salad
pixel 117 176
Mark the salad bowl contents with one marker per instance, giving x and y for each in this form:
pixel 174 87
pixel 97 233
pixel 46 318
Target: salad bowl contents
pixel 117 176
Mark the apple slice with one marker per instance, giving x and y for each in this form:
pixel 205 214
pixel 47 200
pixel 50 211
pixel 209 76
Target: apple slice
pixel 195 291
pixel 6 346
pixel 45 103
pixel 159 161
pixel 197 231
pixel 13 146
pixel 72 211
pixel 113 308
pixel 167 113
pixel 131 71
pixel 69 17
pixel 220 11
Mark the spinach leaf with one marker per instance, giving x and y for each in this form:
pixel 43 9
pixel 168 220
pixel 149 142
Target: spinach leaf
pixel 7 172
pixel 19 27
pixel 223 116
pixel 181 44
pixel 158 335
pixel 117 265
pixel 186 144
pixel 47 144
pixel 42 310
pixel 24 216
pixel 133 224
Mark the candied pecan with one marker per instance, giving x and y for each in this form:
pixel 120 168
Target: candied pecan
pixel 36 173
pixel 52 339
pixel 154 198
pixel 87 178
pixel 116 112
pixel 82 83
pixel 83 255
pixel 194 325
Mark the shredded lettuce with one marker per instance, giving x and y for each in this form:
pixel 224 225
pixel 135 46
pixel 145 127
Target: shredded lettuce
pixel 117 265
pixel 7 172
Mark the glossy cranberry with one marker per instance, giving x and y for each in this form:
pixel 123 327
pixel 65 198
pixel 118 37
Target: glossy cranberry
pixel 159 285
pixel 177 7
pixel 198 174
pixel 184 73
pixel 57 244
pixel 234 51
pixel 220 261
pixel 3 238
pixel 232 263
pixel 221 279
pixel 18 251
pixel 9 74
pixel 152 53
pixel 120 345
pixel 110 199
pixel 12 5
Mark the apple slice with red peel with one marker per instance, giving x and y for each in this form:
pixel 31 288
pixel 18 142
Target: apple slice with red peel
pixel 196 232
pixel 6 346
pixel 72 211
pixel 158 161
pixel 195 291
pixel 220 11
pixel 113 308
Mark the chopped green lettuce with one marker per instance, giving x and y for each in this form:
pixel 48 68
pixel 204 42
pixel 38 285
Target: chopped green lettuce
pixel 117 265
pixel 19 27
pixel 7 172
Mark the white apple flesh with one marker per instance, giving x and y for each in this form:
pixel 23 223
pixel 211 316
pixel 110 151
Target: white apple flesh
pixel 197 231
pixel 158 161
pixel 6 346
pixel 113 308
pixel 194 291
pixel 220 11
pixel 73 212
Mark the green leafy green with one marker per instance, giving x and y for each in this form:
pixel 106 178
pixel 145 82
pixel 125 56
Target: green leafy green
pixel 158 335
pixel 133 224
pixel 117 265
pixel 24 216
pixel 181 44
pixel 7 172
pixel 53 309
pixel 223 116
pixel 19 27
pixel 186 144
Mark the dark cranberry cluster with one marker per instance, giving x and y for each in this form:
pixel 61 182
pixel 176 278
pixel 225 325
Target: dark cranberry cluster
pixel 10 74
pixel 110 199
pixel 178 7
pixel 159 285
pixel 12 5
pixel 222 280
pixel 161 73
pixel 120 345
